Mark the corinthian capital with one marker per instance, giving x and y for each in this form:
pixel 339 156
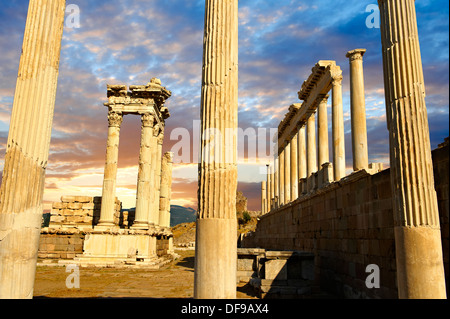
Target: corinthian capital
pixel 114 119
pixel 356 54
pixel 336 78
pixel 148 120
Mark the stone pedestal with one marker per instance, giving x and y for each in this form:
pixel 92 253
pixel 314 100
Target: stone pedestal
pixel 27 148
pixel 420 270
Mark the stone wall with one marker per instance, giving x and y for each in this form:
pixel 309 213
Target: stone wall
pixel 81 212
pixel 348 226
pixel 441 179
pixel 60 246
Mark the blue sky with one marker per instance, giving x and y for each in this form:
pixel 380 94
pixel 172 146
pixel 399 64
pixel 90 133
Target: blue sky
pixel 129 42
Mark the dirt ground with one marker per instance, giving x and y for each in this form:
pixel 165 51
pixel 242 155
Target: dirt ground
pixel 175 280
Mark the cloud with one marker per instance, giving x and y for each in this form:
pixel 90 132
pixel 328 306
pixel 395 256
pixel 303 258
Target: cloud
pixel 129 42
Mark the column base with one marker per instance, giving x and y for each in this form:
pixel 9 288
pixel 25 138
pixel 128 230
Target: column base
pixel 420 268
pixel 140 225
pixel 215 259
pixel 106 225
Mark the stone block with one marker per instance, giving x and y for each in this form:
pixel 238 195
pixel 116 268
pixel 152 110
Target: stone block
pixel 276 269
pixel 74 205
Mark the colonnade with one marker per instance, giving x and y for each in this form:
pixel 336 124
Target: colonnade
pixel 302 164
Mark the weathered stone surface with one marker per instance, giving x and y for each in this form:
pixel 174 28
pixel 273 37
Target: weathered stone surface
pixel 27 148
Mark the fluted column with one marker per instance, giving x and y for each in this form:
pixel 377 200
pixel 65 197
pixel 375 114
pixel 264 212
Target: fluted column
pixel 322 130
pixel 216 242
pixel 358 110
pixel 420 271
pixel 166 187
pixel 287 173
pixel 302 153
pixel 338 128
pixel 311 153
pixel 27 148
pixel 281 178
pixel 294 168
pixel 144 187
pixel 109 180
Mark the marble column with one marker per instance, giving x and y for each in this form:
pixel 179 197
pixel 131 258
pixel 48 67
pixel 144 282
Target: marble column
pixel 338 128
pixel 294 167
pixel 109 180
pixel 216 241
pixel 420 270
pixel 263 198
pixel 166 187
pixel 287 173
pixel 144 187
pixel 311 154
pixel 358 110
pixel 281 178
pixel 322 130
pixel 27 148
pixel 302 152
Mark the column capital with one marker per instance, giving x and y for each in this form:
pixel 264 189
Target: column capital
pixel 115 119
pixel 322 98
pixel 160 137
pixel 336 78
pixel 356 54
pixel 148 120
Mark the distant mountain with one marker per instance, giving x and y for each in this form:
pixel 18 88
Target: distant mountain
pixel 180 214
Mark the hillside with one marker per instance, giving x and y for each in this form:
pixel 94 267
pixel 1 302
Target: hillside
pixel 180 215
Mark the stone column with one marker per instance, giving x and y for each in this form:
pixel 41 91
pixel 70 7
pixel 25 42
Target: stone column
pixel 27 148
pixel 166 187
pixel 109 180
pixel 272 187
pixel 216 241
pixel 159 141
pixel 153 209
pixel 311 154
pixel 144 186
pixel 338 128
pixel 263 198
pixel 301 152
pixel 269 182
pixel 358 110
pixel 287 174
pixel 281 176
pixel 420 271
pixel 322 130
pixel 276 184
pixel 294 168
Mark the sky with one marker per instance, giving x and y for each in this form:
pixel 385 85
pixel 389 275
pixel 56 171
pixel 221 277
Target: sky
pixel 131 41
